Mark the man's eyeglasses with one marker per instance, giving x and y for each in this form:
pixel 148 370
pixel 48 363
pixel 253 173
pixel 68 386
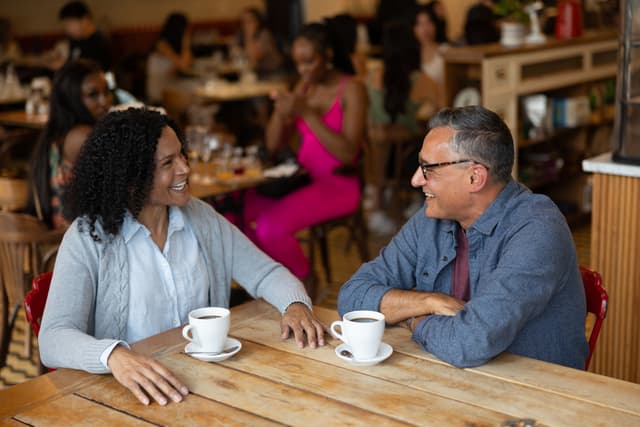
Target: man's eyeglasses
pixel 429 167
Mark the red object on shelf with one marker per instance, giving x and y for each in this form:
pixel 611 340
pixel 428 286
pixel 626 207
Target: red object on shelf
pixel 569 19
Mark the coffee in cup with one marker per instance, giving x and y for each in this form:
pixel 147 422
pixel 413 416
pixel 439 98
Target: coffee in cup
pixel 361 330
pixel 208 328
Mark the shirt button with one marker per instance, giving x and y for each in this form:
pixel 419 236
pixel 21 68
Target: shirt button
pixel 444 258
pixel 425 274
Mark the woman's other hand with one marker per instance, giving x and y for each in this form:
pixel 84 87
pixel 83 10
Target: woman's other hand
pixel 144 377
pixel 299 319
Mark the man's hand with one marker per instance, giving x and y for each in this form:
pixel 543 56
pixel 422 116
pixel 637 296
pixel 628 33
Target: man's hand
pixel 443 304
pixel 145 376
pixel 299 319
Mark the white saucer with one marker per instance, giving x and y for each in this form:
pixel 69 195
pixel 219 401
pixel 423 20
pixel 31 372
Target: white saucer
pixel 384 352
pixel 231 342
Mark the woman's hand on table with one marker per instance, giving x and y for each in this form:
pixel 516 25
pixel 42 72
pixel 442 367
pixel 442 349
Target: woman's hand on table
pixel 144 377
pixel 300 320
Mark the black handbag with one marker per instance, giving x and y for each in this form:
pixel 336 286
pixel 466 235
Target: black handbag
pixel 276 188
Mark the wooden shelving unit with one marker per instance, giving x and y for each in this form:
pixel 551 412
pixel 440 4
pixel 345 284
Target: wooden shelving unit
pixel 503 76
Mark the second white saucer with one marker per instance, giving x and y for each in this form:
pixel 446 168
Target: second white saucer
pixel 230 343
pixel 384 351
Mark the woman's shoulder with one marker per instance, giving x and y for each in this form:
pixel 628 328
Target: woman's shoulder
pixel 351 87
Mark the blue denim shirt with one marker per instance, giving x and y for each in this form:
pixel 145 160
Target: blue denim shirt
pixel 527 295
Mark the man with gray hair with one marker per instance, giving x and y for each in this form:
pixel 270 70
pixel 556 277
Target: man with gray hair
pixel 488 267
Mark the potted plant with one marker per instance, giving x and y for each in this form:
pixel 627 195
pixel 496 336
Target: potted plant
pixel 514 19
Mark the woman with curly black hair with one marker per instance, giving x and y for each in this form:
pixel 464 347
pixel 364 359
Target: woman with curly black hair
pixel 142 254
pixel 79 97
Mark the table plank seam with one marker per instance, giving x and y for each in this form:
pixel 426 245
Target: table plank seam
pixel 480 371
pixel 284 384
pixel 447 396
pixel 97 402
pixel 19 421
pixel 202 396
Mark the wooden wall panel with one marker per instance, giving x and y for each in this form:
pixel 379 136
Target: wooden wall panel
pixel 615 251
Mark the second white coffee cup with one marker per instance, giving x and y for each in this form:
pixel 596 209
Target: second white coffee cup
pixel 361 330
pixel 209 327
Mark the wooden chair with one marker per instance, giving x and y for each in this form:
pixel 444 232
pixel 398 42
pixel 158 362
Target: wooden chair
pixel 358 233
pixel 319 235
pixel 597 304
pixel 34 303
pixel 27 247
pixel 14 194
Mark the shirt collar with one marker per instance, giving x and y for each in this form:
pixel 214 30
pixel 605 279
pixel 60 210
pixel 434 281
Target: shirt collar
pixel 490 218
pixel 130 225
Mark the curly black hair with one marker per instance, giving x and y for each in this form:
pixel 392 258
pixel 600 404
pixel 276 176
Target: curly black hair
pixel 115 168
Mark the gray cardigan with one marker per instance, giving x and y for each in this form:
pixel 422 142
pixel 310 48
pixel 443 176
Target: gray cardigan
pixel 88 302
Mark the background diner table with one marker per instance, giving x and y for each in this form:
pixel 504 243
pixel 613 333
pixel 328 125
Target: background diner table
pixel 203 190
pixel 272 382
pixel 223 91
pixel 20 118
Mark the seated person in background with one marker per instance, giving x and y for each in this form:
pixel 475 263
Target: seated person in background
pixel 259 45
pixel 488 267
pixel 481 24
pixel 83 38
pixel 396 92
pixel 440 21
pixel 328 109
pixel 425 30
pixel 171 55
pixel 9 49
pixel 79 97
pixel 343 34
pixel 142 254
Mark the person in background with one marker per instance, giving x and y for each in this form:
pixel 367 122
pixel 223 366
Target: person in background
pixel 481 24
pixel 440 21
pixel 83 38
pixel 79 97
pixel 388 11
pixel 425 30
pixel 488 266
pixel 142 254
pixel 264 57
pixel 396 92
pixel 171 55
pixel 349 55
pixel 9 49
pixel 328 110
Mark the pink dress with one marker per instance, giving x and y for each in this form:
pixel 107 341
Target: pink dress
pixel 328 196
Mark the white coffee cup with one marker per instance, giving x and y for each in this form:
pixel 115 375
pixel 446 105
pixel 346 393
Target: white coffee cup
pixel 209 327
pixel 361 330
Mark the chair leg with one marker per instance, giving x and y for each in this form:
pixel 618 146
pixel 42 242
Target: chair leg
pixel 28 340
pixel 5 331
pixel 324 252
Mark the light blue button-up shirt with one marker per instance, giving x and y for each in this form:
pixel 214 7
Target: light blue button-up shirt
pixel 165 284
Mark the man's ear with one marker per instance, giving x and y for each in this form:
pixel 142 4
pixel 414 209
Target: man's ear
pixel 478 177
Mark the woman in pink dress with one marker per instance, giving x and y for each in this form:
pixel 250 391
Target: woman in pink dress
pixel 329 111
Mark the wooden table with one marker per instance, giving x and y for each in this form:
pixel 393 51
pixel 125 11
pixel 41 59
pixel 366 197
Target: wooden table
pixel 203 190
pixel 225 91
pixel 21 119
pixel 271 382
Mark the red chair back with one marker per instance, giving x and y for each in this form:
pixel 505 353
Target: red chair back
pixel 597 302
pixel 35 300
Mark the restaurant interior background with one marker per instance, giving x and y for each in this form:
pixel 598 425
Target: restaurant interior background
pixel 136 24
pixel 122 14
